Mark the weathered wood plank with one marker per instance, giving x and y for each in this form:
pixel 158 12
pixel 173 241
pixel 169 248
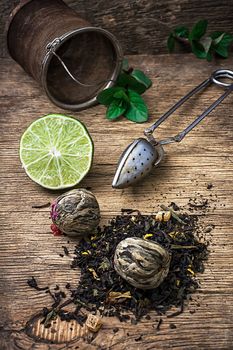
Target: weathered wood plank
pixel 27 247
pixel 142 26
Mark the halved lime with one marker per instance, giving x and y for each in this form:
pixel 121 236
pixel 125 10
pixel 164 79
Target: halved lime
pixel 56 151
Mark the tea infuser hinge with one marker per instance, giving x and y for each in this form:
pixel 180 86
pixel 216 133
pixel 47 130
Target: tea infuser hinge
pixel 149 135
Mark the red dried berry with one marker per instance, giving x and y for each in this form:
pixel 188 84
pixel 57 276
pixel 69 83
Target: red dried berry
pixel 55 230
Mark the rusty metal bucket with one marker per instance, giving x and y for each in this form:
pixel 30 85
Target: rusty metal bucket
pixel 49 41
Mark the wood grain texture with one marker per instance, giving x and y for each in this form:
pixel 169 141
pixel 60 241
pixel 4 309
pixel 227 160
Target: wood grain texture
pixel 27 247
pixel 142 26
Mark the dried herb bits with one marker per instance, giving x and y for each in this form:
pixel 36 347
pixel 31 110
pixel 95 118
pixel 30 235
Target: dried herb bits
pixel 101 289
pixel 143 264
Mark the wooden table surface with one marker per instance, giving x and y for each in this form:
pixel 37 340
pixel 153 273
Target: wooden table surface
pixel 29 249
pixel 141 26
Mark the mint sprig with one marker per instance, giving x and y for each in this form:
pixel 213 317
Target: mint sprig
pixel 124 99
pixel 203 46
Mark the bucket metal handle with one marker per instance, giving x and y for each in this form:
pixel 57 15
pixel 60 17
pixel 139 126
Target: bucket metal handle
pixel 214 78
pixel 51 47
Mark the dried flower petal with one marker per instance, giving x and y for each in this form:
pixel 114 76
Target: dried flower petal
pixel 55 230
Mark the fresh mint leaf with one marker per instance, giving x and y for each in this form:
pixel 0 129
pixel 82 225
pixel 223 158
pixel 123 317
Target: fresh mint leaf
pixel 206 42
pixel 223 45
pixel 171 42
pixel 198 30
pixel 202 46
pixel 116 109
pixel 226 39
pixel 124 98
pixel 181 31
pixel 217 37
pixel 209 56
pixel 106 96
pixel 222 51
pixel 125 64
pixel 141 78
pixel 137 110
pixel 198 49
pixel 127 81
pixel 124 79
pixel 121 94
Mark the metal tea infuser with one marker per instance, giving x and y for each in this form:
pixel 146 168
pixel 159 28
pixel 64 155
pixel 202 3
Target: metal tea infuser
pixel 142 154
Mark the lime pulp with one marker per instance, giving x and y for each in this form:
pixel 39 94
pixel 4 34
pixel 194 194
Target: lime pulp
pixel 56 151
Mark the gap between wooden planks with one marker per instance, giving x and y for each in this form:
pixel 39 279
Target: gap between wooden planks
pixel 205 155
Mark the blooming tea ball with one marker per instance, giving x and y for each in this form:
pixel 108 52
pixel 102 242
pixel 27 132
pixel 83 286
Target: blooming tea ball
pixel 144 264
pixel 76 212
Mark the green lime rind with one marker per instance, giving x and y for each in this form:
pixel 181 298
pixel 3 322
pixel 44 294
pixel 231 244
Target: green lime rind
pixel 56 151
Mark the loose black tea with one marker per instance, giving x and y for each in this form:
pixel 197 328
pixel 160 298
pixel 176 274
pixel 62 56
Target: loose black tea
pixel 100 288
pixel 41 206
pixel 33 284
pixel 102 291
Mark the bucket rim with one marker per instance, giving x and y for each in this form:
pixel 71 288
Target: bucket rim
pixel 58 42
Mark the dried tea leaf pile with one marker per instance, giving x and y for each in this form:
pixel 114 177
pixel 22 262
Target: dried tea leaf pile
pixel 101 288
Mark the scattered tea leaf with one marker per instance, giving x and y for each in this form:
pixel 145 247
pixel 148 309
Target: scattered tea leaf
pixel 33 284
pixel 51 316
pixel 179 237
pixel 91 270
pixel 41 206
pixel 114 296
pixel 105 264
pixel 95 292
pixel 174 215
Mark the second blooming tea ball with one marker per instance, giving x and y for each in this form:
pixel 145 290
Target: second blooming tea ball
pixel 144 264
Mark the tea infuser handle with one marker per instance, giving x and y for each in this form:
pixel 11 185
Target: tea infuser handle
pixel 198 88
pixel 222 73
pixel 179 137
pixel 214 78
